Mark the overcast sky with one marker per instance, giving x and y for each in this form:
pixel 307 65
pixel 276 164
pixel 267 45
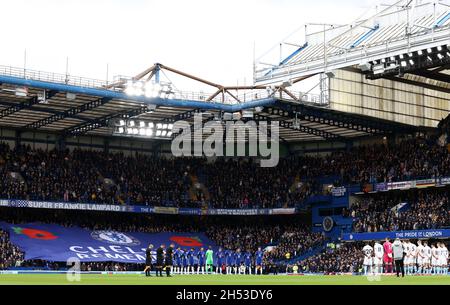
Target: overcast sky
pixel 209 38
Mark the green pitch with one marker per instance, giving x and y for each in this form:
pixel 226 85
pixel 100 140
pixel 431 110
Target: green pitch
pixel 60 279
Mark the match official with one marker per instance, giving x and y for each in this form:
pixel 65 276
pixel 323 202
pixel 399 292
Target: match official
pixel 148 260
pixel 159 260
pixel 169 259
pixel 398 252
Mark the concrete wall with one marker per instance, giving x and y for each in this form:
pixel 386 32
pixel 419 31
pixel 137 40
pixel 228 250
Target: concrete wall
pixel 386 99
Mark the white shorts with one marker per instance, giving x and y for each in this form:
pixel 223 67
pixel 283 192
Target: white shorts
pixel 378 261
pixel 434 262
pixel 408 260
pixel 420 261
pixel 368 261
pixel 427 261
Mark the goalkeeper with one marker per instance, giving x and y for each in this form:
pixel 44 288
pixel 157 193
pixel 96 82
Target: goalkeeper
pixel 209 260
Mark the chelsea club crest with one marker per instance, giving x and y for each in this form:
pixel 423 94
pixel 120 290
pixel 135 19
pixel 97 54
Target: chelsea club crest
pixel 116 238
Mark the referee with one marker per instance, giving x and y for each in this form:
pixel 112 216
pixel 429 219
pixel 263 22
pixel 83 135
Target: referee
pixel 160 260
pixel 169 259
pixel 398 252
pixel 148 260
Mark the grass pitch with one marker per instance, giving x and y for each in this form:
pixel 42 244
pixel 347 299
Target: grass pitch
pixel 122 279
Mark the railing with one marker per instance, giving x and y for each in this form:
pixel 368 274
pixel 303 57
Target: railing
pixel 240 96
pixel 52 77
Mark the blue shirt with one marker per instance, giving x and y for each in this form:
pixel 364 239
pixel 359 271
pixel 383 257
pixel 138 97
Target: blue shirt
pixel 238 258
pixel 201 257
pixel 191 255
pixel 248 258
pixel 259 257
pixel 220 257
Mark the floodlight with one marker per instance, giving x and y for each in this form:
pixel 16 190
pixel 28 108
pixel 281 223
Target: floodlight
pixel 158 133
pixel 149 132
pixel 164 133
pixel 170 127
pixel 121 130
pixel 142 124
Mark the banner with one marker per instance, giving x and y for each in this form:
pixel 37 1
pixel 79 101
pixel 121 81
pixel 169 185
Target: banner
pixel 57 244
pixel 140 209
pixel 406 185
pixel 423 234
pixel 338 191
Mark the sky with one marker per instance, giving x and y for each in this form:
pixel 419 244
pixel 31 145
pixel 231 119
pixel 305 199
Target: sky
pixel 213 39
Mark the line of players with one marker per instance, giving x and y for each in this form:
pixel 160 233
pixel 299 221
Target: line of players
pixel 418 259
pixel 190 261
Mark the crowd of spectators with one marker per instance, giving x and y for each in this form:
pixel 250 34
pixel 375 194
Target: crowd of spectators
pixel 339 258
pixel 424 209
pixel 10 255
pixel 114 178
pixel 295 242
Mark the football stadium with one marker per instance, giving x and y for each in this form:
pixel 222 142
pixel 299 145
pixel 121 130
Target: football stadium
pixel 331 166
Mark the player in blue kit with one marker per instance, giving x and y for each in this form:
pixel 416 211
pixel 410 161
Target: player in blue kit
pixel 220 259
pixel 229 261
pixel 184 261
pixel 201 261
pixel 237 261
pixel 259 255
pixel 248 262
pixel 176 261
pixel 191 260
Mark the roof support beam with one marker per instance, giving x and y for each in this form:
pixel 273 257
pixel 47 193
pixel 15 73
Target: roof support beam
pixel 183 116
pixel 304 129
pixel 433 75
pixel 29 103
pixel 70 113
pixel 338 119
pixel 103 121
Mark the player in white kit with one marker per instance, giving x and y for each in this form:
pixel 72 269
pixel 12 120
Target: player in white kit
pixel 420 257
pixel 434 258
pixel 443 259
pixel 378 258
pixel 427 262
pixel 407 250
pixel 413 253
pixel 368 259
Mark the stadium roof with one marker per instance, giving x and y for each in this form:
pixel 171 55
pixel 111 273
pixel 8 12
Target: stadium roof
pixel 403 27
pixel 71 106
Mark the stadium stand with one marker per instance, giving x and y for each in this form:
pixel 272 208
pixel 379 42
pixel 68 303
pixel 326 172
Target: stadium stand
pixel 96 177
pixel 426 209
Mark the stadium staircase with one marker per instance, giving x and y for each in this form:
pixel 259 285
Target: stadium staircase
pixel 316 250
pixel 196 185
